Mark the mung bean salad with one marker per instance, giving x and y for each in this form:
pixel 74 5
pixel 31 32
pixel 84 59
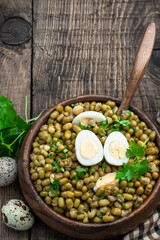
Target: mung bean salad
pixel 92 165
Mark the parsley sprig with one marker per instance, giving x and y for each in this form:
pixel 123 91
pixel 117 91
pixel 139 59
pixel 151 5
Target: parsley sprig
pixel 12 127
pixel 136 167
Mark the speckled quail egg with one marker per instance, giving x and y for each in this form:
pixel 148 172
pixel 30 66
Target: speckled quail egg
pixel 109 180
pixel 8 171
pixel 88 148
pixel 85 118
pixel 115 148
pixel 16 214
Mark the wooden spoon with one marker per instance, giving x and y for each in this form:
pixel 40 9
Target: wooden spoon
pixel 141 61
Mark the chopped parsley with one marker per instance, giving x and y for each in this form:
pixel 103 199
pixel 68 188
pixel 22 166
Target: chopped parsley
pixel 127 111
pixel 42 165
pixel 51 141
pixel 80 173
pixel 55 187
pixel 83 127
pixel 56 165
pixel 119 195
pixel 90 170
pixel 102 214
pixel 58 151
pixel 74 105
pixel 59 140
pixel 104 165
pixel 123 204
pixel 101 196
pixel 51 155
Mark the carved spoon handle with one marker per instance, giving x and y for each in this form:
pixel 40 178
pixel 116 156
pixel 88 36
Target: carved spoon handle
pixel 141 61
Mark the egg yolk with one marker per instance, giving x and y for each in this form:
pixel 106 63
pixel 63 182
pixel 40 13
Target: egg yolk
pixel 88 149
pixel 85 121
pixel 108 180
pixel 117 150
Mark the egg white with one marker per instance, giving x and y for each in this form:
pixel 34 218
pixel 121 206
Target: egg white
pixel 98 117
pixel 115 136
pixel 83 135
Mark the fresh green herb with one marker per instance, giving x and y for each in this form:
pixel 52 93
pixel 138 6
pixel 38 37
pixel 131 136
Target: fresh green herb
pixel 101 132
pixel 141 168
pixel 119 195
pixel 127 111
pixel 90 171
pixel 56 165
pixel 123 204
pixel 119 123
pixel 64 151
pixel 51 155
pixel 54 146
pixel 80 173
pixel 101 178
pixel 59 140
pixel 101 196
pixel 58 151
pixel 83 127
pixel 84 109
pixel 135 150
pixel 12 128
pixel 128 171
pixel 73 105
pixel 51 141
pixel 104 165
pixel 42 165
pixel 104 124
pixel 55 187
pixel 102 214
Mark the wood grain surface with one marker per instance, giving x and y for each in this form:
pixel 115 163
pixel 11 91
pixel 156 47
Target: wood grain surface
pixel 77 47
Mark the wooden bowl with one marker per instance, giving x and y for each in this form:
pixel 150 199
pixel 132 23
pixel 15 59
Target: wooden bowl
pixel 66 225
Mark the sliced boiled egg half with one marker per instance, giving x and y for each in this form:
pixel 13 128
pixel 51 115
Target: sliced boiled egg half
pixel 115 148
pixel 88 148
pixel 86 117
pixel 109 180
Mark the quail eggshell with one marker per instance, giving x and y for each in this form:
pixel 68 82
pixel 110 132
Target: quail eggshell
pixel 16 214
pixel 8 171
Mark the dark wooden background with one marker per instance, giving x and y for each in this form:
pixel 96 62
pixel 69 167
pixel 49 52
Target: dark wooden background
pixel 55 49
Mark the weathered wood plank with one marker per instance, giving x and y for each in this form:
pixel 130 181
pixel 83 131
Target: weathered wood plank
pixel 15 81
pixel 85 47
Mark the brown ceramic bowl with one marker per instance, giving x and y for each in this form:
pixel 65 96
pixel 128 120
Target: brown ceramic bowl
pixel 68 226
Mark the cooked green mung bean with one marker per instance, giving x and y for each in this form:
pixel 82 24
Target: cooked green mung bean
pixel 81 191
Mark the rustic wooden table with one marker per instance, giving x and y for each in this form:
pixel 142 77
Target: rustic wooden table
pixel 53 50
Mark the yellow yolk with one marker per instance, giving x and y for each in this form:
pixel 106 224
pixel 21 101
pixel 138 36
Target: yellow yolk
pixel 85 121
pixel 107 180
pixel 117 150
pixel 88 149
